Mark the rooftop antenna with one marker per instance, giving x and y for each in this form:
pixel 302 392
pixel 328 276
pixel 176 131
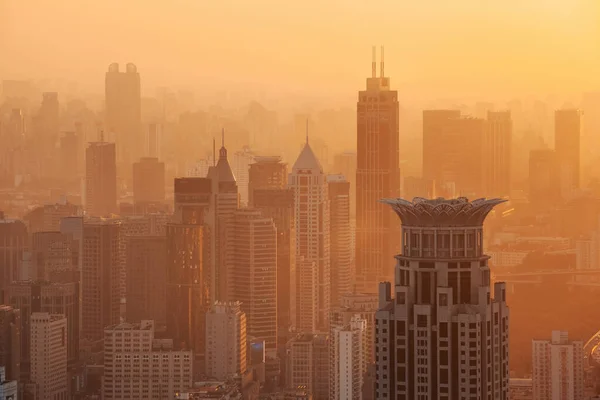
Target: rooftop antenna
pixel 382 75
pixel 374 63
pixel 306 130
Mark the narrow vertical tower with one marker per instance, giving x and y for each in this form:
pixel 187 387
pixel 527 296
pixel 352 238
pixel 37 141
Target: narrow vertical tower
pixel 443 336
pixel 377 176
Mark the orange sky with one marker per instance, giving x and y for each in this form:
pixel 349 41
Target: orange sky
pixel 433 47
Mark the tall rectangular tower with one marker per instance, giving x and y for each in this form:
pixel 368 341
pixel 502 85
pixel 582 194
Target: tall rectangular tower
pixel 100 179
pixel 497 144
pixel 340 237
pixel 444 334
pixel 148 181
pixel 567 139
pixel 49 344
pixel 377 176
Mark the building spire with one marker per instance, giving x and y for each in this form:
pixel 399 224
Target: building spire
pixel 381 65
pixel 374 63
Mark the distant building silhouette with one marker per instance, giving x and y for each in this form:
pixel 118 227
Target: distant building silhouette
pixel 123 113
pixel 148 181
pixel 567 143
pixel 100 179
pixel 377 176
pixel 544 178
pixel 497 154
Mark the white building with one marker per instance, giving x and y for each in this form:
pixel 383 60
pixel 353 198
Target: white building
pixel 225 341
pixel 138 366
pixel 49 355
pixel 557 368
pixel 8 389
pixel 444 334
pixel 348 360
pixel 311 214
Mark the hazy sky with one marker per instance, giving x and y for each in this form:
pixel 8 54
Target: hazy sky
pixel 432 47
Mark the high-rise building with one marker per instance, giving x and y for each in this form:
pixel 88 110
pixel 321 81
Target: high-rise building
pixel 188 288
pixel 53 257
pixel 308 364
pixel 567 138
pixel 340 237
pixel 269 193
pixel 100 277
pixel 224 201
pixel 444 334
pixel 544 179
pixel 348 360
pixel 10 342
pixel 139 366
pixel 363 305
pixel 557 368
pixel 44 297
pixel 192 200
pixel 311 209
pixel 497 144
pixel 345 164
pixel 146 279
pixel 241 163
pixel 14 240
pixel 123 113
pixel 47 218
pixel 377 176
pixel 100 179
pixel 226 341
pixel 8 387
pixel 252 272
pixel 49 341
pixel 434 123
pixel 148 181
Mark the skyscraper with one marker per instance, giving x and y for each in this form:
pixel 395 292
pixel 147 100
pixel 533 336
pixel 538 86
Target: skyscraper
pixel 226 341
pixel 348 359
pixel 100 179
pixel 148 181
pixel 377 176
pixel 146 279
pixel 252 272
pixel 53 257
pixel 308 364
pixel 49 344
pixel 311 209
pixel 268 193
pixel 13 241
pixel 345 164
pixel 100 277
pixel 544 178
pixel 434 123
pixel 443 335
pixel 340 237
pixel 567 138
pixel 242 160
pixel 497 145
pixel 557 368
pixel 123 113
pixel 10 342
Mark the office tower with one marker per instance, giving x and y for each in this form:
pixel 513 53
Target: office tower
pixel 192 200
pixel 100 277
pixel 567 137
pixel 252 272
pixel 69 157
pixel 225 341
pixel 10 341
pixel 146 279
pixel 48 217
pixel 377 176
pixel 8 387
pixel 443 335
pixel 345 164
pixel 557 368
pixel 53 257
pixel 47 124
pixel 100 179
pixel 148 181
pixel 544 180
pixel 123 112
pixel 49 341
pixel 434 123
pixel 497 144
pixel 340 237
pixel 44 297
pixel 348 360
pixel 308 364
pixel 242 160
pixel 154 142
pixel 267 172
pixel 137 365
pixel 188 287
pixel 363 305
pixel 224 201
pixel 13 242
pixel 311 209
pixel 269 194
